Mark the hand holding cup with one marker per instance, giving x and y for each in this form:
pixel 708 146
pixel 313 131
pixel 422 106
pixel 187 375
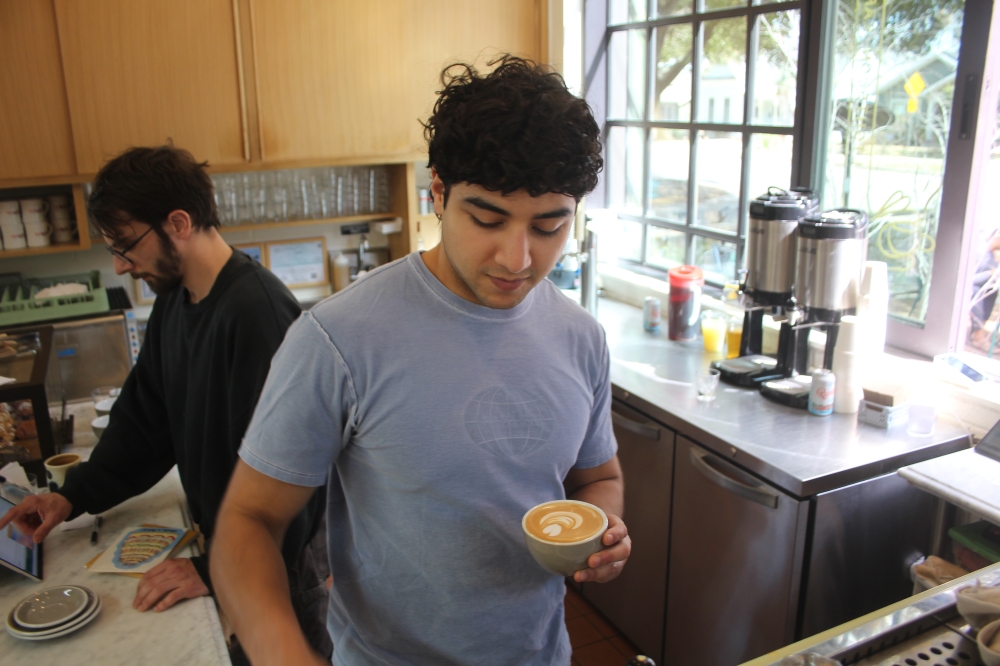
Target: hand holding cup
pixel 574 538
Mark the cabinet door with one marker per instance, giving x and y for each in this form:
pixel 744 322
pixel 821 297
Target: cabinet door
pixel 35 137
pixel 353 79
pixel 635 601
pixel 140 73
pixel 736 554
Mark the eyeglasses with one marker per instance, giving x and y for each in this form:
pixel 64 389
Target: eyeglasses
pixel 121 254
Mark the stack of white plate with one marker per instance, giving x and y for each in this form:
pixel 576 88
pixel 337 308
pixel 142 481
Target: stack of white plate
pixel 52 613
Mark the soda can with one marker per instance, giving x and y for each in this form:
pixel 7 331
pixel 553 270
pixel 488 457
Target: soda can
pixel 821 393
pixel 651 313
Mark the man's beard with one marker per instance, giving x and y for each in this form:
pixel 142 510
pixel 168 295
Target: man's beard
pixel 168 269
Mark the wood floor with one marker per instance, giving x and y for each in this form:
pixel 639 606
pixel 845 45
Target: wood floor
pixel 595 642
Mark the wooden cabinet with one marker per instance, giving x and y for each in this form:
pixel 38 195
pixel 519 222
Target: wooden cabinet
pixel 143 73
pixel 35 138
pixel 353 80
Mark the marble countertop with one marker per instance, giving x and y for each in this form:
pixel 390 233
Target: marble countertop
pixel 798 452
pixel 188 633
pixel 966 478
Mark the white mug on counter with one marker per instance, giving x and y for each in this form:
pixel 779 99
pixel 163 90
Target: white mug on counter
pixel 10 225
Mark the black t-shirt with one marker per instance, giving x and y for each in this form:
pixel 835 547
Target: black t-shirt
pixel 189 399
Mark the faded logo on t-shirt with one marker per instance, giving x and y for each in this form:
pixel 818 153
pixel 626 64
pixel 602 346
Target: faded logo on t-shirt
pixel 508 422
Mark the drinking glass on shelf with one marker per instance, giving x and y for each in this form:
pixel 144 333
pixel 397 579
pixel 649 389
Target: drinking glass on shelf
pixel 353 205
pixel 382 198
pixel 277 205
pixel 314 191
pixel 244 199
pixel 258 198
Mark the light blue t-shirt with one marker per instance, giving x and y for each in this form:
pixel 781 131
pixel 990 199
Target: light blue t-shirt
pixel 437 423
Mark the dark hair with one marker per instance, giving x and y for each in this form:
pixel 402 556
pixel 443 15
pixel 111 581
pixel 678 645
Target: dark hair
pixel 517 127
pixel 146 185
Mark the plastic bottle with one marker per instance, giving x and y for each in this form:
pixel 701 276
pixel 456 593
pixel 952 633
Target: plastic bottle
pixel 341 272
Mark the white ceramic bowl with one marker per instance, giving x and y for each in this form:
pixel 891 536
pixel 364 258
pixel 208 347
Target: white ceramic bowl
pixel 564 559
pixel 986 635
pixel 99 424
pixel 103 407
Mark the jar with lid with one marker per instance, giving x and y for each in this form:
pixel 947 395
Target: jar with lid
pixel 685 302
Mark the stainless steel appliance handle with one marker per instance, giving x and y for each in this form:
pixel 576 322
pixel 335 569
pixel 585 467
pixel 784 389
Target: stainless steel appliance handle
pixel 700 461
pixel 641 429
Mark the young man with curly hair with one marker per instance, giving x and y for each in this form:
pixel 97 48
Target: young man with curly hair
pixel 440 398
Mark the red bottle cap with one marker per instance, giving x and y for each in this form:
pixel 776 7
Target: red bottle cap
pixel 683 277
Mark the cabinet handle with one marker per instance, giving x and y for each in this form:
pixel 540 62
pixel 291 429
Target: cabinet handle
pixel 758 494
pixel 641 429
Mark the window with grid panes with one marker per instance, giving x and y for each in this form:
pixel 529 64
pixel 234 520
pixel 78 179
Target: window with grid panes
pixel 700 107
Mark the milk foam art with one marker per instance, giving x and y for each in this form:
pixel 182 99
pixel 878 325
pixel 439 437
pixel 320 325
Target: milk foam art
pixel 562 535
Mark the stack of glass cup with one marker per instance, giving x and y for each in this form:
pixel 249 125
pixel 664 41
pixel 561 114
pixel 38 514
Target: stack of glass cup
pixel 301 194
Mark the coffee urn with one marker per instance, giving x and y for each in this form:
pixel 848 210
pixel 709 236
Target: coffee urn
pixel 832 248
pixel 768 287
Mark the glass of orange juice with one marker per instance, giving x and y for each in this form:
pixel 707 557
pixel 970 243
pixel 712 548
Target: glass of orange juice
pixel 734 335
pixel 713 330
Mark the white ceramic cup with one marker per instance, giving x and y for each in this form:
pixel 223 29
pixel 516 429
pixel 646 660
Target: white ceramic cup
pixel 31 217
pixel 38 233
pixel 56 468
pixel 59 202
pixel 989 656
pixel 564 558
pixel 38 206
pixel 13 232
pixel 10 222
pixel 62 226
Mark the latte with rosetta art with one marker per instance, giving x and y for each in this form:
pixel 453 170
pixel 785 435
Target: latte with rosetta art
pixel 563 522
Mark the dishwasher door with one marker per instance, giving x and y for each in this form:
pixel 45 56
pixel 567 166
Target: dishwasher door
pixel 635 601
pixel 736 553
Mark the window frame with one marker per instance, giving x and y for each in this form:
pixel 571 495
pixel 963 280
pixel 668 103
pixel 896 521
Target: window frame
pixel 945 323
pixel 979 63
pixel 597 91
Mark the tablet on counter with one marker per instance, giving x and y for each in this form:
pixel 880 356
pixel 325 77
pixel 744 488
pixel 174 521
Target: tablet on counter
pixel 18 551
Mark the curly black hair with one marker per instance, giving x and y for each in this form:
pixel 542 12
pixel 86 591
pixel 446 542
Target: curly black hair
pixel 517 127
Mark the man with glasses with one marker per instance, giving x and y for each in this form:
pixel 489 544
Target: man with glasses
pixel 217 321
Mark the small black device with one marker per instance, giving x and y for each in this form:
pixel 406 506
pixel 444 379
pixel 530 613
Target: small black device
pixel 747 371
pixel 989 445
pixel 17 550
pixel 790 391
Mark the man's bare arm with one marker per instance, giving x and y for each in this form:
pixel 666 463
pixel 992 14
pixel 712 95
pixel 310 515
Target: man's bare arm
pixel 248 572
pixel 603 486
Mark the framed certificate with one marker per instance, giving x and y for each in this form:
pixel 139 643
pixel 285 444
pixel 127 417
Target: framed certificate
pixel 253 250
pixel 143 294
pixel 298 263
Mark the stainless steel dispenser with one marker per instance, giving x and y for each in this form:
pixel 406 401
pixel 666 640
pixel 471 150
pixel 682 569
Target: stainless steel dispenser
pixel 832 247
pixel 831 255
pixel 768 287
pixel 771 243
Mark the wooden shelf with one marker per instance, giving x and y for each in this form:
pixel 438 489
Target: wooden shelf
pixel 304 223
pixel 48 249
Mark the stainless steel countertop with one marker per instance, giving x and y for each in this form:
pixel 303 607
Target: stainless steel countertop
pixel 798 452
